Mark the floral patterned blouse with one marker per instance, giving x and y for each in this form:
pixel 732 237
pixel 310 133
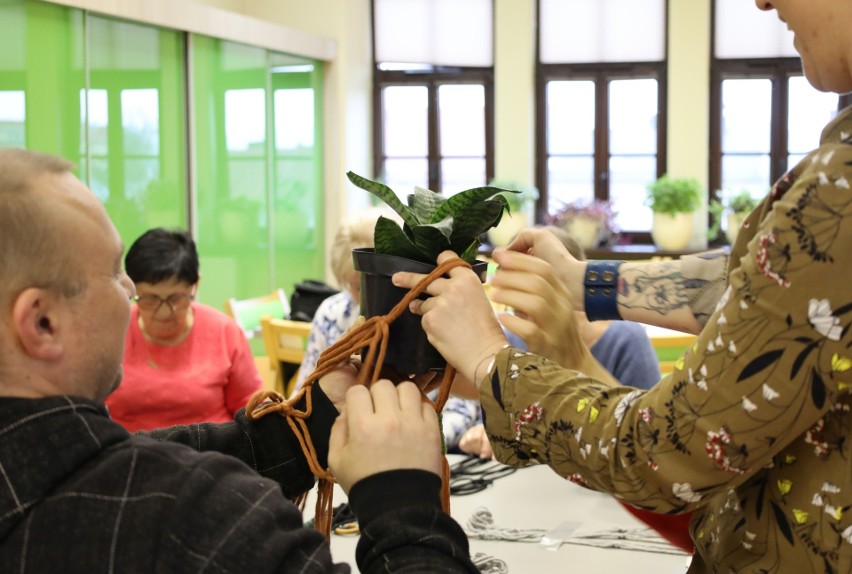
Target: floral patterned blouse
pixel 750 430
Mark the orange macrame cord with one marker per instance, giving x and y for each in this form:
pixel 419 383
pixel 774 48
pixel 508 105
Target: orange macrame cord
pixel 373 334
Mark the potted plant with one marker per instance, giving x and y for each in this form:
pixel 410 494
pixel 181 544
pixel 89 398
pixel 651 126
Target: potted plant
pixel 674 202
pixel 431 223
pixel 735 209
pixel 590 223
pixel 517 216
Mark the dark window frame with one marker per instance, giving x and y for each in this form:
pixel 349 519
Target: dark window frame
pixel 432 77
pixel 778 71
pixel 601 73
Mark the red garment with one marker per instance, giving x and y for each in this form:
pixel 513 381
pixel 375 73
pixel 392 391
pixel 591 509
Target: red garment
pixel 672 527
pixel 207 377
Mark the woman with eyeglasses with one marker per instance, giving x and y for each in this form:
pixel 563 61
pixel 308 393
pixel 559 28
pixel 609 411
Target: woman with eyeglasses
pixel 184 362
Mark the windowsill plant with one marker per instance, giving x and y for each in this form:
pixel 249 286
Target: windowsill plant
pixel 734 209
pixel 674 202
pixel 590 223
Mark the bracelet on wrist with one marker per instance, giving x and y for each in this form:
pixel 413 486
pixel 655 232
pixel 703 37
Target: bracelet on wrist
pixel 600 290
pixel 489 358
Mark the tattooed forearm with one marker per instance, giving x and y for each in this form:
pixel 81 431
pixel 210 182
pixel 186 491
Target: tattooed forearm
pixel 658 287
pixel 691 285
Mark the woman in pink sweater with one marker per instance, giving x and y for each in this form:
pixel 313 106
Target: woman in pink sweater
pixel 184 362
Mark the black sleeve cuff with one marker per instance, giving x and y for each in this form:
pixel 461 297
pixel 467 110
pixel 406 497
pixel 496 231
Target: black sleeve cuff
pixel 391 490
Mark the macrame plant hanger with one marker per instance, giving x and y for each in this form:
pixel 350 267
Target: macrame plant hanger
pixel 373 334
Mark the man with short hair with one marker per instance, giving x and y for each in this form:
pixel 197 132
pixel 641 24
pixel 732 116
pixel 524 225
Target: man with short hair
pixel 80 494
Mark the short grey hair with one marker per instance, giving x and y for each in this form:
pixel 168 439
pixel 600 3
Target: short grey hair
pixel 32 251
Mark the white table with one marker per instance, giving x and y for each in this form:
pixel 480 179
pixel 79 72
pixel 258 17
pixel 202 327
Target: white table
pixel 536 497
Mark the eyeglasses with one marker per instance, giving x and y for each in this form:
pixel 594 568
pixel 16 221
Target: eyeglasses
pixel 176 302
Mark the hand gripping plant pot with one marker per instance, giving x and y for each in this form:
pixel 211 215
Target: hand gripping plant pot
pixel 432 223
pixel 409 351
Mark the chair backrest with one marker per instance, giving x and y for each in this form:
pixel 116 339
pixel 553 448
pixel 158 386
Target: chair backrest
pixel 669 348
pixel 247 312
pixel 285 343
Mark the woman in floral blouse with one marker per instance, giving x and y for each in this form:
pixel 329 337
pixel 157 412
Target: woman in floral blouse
pixel 750 432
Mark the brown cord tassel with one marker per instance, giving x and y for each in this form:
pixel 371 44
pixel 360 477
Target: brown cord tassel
pixel 373 334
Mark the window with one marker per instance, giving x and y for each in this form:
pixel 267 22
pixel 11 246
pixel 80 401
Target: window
pixel 433 94
pixel 601 106
pixel 765 116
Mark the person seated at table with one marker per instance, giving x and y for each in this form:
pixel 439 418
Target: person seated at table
pixel 539 313
pixel 336 314
pixel 184 361
pixel 157 505
pixel 751 431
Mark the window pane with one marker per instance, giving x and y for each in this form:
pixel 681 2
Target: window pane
pixel 743 31
pixel 570 117
pixel 745 172
pixel 809 111
pixel 462 118
pixel 439 32
pixel 138 175
pixel 294 119
pixel 569 179
pixel 405 122
pixel 401 175
pixel 245 120
pixel 746 115
pixel 98 114
pixel 13 118
pixel 140 120
pixel 628 181
pixel 461 174
pixel 633 116
pixel 574 31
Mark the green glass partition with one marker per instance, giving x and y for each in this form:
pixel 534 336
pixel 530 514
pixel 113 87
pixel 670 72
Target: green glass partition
pixel 111 95
pixel 41 74
pixel 258 168
pixel 136 118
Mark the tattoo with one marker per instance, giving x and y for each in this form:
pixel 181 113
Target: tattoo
pixel 660 288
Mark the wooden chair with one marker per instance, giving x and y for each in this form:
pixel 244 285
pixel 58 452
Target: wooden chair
pixel 669 347
pixel 285 343
pixel 247 312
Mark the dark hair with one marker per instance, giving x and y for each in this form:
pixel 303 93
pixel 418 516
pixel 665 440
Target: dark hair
pixel 161 254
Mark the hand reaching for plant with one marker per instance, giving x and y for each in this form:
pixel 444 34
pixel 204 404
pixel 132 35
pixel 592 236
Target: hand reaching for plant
pixel 565 269
pixel 543 315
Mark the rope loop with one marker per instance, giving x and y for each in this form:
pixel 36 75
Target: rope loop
pixel 372 334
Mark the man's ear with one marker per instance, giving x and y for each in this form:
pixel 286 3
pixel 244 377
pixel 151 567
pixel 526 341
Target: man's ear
pixel 36 322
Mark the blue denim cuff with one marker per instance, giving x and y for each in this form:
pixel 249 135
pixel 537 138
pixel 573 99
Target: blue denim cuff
pixel 600 289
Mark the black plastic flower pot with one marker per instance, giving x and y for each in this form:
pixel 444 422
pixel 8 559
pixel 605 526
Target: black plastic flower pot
pixel 409 351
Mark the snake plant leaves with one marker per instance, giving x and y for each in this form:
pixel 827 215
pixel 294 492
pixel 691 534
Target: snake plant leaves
pixel 392 240
pixel 384 193
pixel 424 203
pixel 433 223
pixel 460 202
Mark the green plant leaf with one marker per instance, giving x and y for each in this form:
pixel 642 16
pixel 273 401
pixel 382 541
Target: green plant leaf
pixel 424 203
pixel 469 254
pixel 463 200
pixel 386 194
pixel 392 240
pixel 431 239
pixel 674 195
pixel 476 220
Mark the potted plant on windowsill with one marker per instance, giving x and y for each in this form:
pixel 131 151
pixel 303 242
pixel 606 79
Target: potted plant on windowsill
pixel 735 209
pixel 674 202
pixel 431 224
pixel 590 223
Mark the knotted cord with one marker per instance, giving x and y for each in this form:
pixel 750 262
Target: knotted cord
pixel 373 333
